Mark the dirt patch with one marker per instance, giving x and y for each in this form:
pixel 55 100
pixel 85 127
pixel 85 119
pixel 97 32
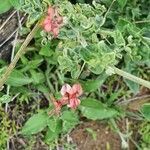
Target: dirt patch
pixel 106 138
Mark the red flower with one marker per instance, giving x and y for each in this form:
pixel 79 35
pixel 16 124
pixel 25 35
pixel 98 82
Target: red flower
pixel 53 21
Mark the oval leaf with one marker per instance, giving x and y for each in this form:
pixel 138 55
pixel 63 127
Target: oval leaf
pixel 93 109
pixel 35 124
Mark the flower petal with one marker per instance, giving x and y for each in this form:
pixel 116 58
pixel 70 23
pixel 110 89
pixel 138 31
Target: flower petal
pixel 77 89
pixel 47 20
pixel 51 11
pixel 65 89
pixel 74 103
pixel 55 31
pixel 47 27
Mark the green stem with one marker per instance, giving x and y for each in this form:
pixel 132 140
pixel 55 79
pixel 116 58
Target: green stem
pixel 131 77
pixel 21 51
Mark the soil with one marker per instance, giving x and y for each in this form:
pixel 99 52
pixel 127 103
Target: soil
pixel 106 138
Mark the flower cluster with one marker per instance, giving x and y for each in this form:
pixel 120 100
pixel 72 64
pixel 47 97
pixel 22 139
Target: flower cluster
pixel 53 21
pixel 69 97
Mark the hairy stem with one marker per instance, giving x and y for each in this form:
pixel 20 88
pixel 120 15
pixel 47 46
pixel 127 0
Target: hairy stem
pixel 131 77
pixel 21 51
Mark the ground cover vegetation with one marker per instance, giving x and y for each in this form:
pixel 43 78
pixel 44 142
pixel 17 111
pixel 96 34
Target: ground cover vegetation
pixel 76 66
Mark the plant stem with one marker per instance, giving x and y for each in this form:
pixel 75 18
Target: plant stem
pixel 131 77
pixel 21 51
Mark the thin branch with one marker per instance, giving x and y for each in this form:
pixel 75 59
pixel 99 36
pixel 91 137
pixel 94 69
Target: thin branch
pixel 131 77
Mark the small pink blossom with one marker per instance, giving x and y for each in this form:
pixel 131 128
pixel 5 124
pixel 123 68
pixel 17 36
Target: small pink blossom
pixel 65 89
pixel 50 11
pixel 53 21
pixel 77 89
pixel 72 94
pixel 69 97
pixel 74 103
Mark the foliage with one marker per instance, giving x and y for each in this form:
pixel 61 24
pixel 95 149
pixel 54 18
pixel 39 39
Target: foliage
pixel 145 110
pixel 95 35
pixel 93 109
pixel 35 124
pixel 5 128
pixel 145 132
pixel 7 4
pixel 55 124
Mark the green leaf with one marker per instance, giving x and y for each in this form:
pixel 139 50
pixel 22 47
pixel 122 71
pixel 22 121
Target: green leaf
pixel 134 87
pixel 15 3
pixel 122 3
pixel 35 124
pixel 34 63
pixel 130 67
pixel 52 135
pixel 93 85
pixel 5 5
pixel 69 65
pixel 70 119
pixel 70 116
pixel 98 56
pixel 145 109
pixel 122 24
pixel 5 99
pixel 52 123
pixel 17 78
pixel 46 50
pixel 118 38
pixel 93 109
pixel 38 77
pixel 42 88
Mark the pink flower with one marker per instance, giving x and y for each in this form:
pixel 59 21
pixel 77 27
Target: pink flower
pixel 69 97
pixel 77 89
pixel 71 94
pixel 50 11
pixel 74 103
pixel 65 89
pixel 53 21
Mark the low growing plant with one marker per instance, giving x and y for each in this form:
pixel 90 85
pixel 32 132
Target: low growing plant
pixel 77 47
